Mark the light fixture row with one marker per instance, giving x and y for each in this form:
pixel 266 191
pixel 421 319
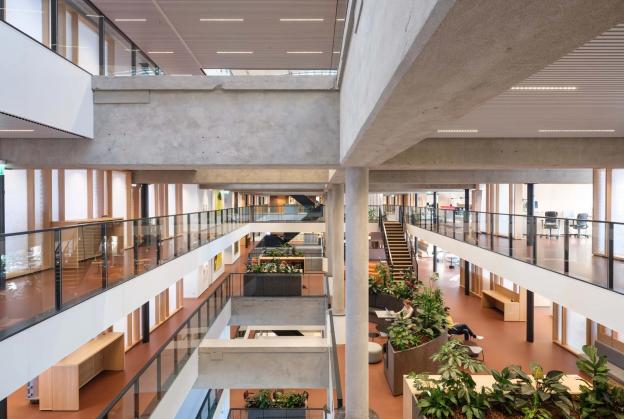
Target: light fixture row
pixel 232 19
pixel 543 131
pixel 246 52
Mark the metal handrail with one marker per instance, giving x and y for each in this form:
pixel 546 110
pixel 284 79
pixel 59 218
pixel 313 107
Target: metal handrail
pixel 334 353
pixel 305 409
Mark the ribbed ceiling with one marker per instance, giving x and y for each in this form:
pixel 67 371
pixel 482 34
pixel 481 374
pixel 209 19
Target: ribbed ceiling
pixel 595 69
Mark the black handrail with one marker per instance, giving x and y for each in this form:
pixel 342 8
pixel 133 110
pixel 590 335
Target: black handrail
pixel 424 217
pixel 145 233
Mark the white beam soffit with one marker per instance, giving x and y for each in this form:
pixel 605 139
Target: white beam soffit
pixel 196 31
pixel 581 94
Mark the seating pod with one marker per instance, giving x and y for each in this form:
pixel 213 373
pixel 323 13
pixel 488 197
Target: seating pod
pixel 418 359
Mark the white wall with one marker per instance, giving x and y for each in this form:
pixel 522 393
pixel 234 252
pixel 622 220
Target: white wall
pixel 40 86
pixel 75 194
pixel 190 198
pixel 567 200
pixel 119 194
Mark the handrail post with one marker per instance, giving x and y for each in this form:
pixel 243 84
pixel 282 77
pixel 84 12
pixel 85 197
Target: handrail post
pixel 566 246
pixel 135 242
pixel 534 237
pixel 510 234
pixel 188 232
pixel 104 256
pixel 610 280
pixel 453 224
pixel 58 269
pixel 158 241
pixel 492 231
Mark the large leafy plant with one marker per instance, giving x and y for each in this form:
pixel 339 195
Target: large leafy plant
pixel 275 399
pixel 274 266
pixel 403 335
pixel 598 399
pixel 429 316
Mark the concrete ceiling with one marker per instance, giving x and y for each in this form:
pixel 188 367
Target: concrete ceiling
pixel 595 71
pixel 175 26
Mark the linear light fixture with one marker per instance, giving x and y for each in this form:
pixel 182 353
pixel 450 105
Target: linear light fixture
pixel 306 19
pixel 336 52
pixel 457 131
pixel 575 130
pixel 131 20
pixel 544 88
pixel 17 130
pixel 160 52
pixel 340 19
pixel 304 52
pixel 181 75
pixel 234 52
pixel 221 19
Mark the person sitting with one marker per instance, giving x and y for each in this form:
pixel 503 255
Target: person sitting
pixel 460 329
pixel 406 311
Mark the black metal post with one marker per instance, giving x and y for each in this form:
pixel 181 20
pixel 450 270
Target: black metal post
pixel 145 322
pixel 466 214
pixel 530 322
pixel 135 241
pixel 435 208
pixel 4 409
pixel 188 232
pixel 104 256
pixel 531 222
pixel 511 235
pixel 492 231
pixel 133 59
pixel 158 242
pixel 53 23
pixel 435 258
pixel 2 14
pixel 610 257
pixel 466 277
pixel 2 231
pixel 58 268
pixel 101 47
pixel 566 246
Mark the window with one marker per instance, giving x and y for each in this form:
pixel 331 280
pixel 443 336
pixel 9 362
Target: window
pixel 31 17
pixel 117 53
pixel 78 34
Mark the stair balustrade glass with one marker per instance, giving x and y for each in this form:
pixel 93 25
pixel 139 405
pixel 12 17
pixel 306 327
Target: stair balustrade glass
pixel 47 271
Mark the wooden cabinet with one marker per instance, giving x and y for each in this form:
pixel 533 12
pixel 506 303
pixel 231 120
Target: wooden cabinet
pixel 59 386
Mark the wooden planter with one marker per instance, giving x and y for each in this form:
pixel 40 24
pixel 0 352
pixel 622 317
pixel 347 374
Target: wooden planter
pixel 272 284
pixel 418 359
pixel 382 301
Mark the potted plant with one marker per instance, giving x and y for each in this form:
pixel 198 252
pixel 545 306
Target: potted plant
pixel 272 279
pixel 276 404
pixel 381 290
pixel 412 342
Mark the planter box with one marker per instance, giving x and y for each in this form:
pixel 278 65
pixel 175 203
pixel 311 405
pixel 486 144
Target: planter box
pixel 276 413
pixel 271 285
pixel 418 359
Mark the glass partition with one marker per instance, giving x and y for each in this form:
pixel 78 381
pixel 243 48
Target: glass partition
pixel 31 17
pixel 117 52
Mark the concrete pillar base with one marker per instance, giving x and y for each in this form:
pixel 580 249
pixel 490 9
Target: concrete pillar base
pixel 340 414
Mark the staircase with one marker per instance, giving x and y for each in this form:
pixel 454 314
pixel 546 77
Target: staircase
pixel 398 251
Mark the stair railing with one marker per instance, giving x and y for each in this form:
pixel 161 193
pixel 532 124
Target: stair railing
pixel 382 227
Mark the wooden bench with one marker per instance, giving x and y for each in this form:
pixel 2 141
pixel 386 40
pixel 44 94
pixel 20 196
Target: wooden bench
pixel 512 304
pixel 59 386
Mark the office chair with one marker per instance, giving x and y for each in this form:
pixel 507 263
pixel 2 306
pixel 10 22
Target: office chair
pixel 581 224
pixel 551 223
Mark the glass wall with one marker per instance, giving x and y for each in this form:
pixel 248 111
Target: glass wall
pixel 78 36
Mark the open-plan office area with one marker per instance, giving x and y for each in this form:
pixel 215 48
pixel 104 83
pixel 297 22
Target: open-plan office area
pixel 311 209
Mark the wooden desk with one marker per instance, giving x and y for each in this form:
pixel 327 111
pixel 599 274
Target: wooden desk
pixel 59 386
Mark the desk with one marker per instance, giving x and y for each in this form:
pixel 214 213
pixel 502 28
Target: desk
pixel 385 314
pixel 59 386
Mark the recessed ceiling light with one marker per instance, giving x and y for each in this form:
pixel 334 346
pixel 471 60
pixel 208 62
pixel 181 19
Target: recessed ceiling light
pixel 160 52
pixel 131 20
pixel 545 88
pixel 289 19
pixel 304 52
pixel 181 75
pixel 234 52
pixel 575 130
pixel 457 131
pixel 17 130
pixel 221 19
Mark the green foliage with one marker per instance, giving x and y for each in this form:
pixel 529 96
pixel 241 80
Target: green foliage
pixel 429 314
pixel 275 266
pixel 274 399
pixel 598 398
pixel 403 335
pixel 373 286
pixel 285 250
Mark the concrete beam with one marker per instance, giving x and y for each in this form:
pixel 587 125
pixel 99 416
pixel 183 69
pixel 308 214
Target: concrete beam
pixel 425 177
pixel 510 153
pixel 300 362
pixel 418 187
pixel 182 122
pixel 266 188
pixel 229 176
pixel 414 66
pixel 294 311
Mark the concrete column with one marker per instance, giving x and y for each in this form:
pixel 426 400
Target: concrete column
pixel 356 350
pixel 329 227
pixel 337 239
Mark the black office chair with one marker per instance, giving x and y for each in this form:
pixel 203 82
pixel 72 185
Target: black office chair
pixel 581 224
pixel 550 223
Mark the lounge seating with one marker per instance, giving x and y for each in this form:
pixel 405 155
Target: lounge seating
pixel 375 353
pixel 581 224
pixel 550 223
pixel 510 303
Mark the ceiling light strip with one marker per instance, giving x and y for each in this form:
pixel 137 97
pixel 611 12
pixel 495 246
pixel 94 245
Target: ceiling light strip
pixel 574 130
pixel 221 19
pixel 130 20
pixel 458 131
pixel 304 52
pixel 235 52
pixel 17 130
pixel 291 19
pixel 544 88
